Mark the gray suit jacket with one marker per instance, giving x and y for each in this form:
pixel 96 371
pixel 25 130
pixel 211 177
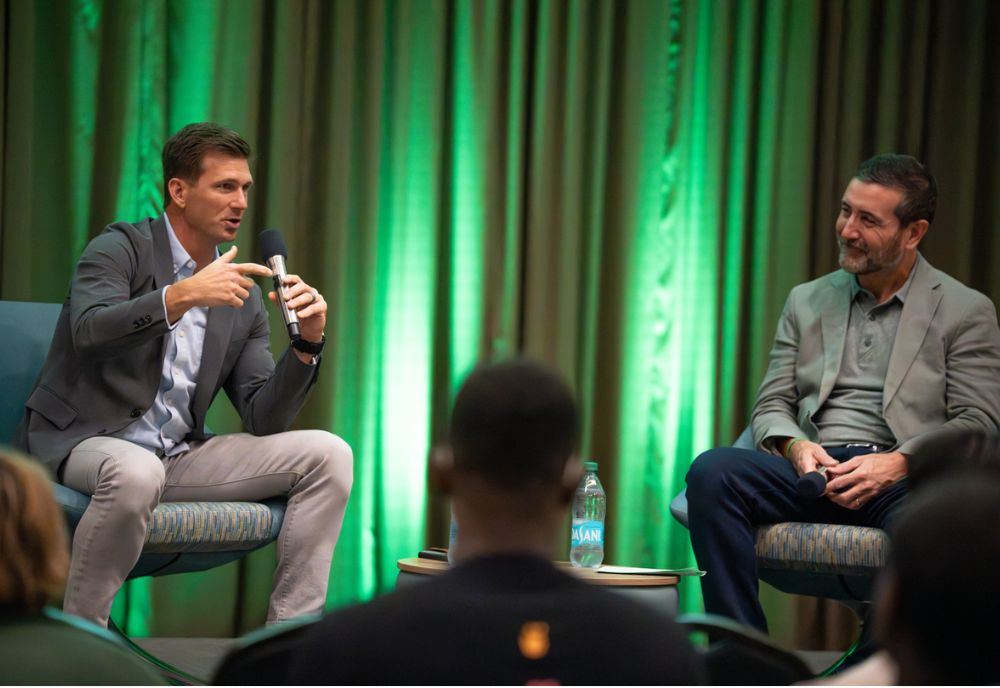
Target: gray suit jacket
pixel 944 370
pixel 104 364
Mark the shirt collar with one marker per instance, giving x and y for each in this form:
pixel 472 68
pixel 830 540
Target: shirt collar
pixel 179 256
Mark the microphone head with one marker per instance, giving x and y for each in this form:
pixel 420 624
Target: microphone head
pixel 811 484
pixel 272 244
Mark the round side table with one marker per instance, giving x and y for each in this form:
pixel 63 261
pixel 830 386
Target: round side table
pixel 659 592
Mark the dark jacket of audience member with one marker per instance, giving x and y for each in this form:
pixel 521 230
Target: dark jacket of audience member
pixel 504 614
pixel 953 454
pixel 938 604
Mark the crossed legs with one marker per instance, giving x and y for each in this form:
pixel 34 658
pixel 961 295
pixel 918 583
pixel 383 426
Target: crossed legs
pixel 312 467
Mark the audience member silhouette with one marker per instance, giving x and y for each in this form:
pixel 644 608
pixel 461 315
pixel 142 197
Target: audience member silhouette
pixel 956 453
pixel 935 593
pixel 32 538
pixel 38 645
pixel 503 614
pixel 938 604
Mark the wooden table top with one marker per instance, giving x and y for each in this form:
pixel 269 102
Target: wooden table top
pixel 431 567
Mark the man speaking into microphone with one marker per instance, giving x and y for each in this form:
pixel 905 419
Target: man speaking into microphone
pixel 157 321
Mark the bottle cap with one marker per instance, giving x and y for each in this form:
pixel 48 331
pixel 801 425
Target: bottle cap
pixel 590 466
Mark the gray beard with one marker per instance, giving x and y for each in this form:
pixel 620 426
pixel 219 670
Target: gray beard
pixel 858 267
pixel 868 263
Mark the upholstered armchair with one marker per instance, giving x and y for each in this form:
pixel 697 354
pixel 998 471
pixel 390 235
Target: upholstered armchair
pixel 816 559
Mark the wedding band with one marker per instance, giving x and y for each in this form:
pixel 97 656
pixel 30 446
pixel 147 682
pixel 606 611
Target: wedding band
pixel 315 295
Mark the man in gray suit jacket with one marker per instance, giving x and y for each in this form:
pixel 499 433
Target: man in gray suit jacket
pixel 868 364
pixel 156 323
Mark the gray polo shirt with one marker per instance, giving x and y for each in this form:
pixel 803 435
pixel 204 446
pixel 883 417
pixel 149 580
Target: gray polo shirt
pixel 853 411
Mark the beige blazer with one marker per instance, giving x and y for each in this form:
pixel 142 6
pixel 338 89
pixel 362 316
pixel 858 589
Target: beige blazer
pixel 944 371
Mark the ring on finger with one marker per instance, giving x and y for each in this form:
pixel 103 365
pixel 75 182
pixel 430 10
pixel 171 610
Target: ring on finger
pixel 315 295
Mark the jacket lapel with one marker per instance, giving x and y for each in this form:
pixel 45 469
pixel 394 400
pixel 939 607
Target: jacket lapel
pixel 163 266
pixel 163 257
pixel 834 311
pixel 918 311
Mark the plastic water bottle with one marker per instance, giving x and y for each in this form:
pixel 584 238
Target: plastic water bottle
pixel 589 506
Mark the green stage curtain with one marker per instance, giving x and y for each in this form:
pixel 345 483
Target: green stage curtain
pixel 625 189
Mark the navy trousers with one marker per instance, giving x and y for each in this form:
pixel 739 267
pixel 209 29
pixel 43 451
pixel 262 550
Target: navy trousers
pixel 732 491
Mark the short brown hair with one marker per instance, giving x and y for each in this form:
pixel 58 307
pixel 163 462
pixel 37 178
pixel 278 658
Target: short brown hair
pixel 34 551
pixel 908 175
pixel 184 151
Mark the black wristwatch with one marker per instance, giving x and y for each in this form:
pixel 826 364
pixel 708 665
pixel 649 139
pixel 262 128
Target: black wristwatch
pixel 311 348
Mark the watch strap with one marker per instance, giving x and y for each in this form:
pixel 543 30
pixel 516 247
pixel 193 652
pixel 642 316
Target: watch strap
pixel 308 347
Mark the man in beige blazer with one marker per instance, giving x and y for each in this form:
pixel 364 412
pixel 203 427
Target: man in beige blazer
pixel 868 363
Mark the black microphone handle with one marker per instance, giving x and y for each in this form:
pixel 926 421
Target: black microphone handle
pixel 812 484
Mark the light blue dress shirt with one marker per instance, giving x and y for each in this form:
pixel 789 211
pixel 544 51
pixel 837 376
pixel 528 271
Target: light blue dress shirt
pixel 168 421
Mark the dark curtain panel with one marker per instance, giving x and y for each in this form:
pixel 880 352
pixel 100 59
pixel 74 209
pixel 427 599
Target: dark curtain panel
pixel 626 190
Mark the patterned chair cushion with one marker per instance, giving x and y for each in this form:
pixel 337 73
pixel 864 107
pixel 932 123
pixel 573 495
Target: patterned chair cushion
pixel 822 548
pixel 208 527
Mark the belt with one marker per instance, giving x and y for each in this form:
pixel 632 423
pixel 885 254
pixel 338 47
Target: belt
pixel 876 448
pixel 870 446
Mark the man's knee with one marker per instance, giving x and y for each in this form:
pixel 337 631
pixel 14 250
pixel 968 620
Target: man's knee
pixel 136 484
pixel 709 471
pixel 333 459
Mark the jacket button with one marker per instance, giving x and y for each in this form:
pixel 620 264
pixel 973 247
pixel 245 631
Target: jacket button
pixel 136 412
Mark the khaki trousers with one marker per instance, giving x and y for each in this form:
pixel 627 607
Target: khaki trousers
pixel 312 467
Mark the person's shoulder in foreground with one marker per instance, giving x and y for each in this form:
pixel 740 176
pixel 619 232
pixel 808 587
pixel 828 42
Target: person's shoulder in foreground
pixel 506 619
pixel 50 648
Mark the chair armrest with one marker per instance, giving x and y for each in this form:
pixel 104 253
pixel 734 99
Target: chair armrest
pixel 742 655
pixel 72 503
pixel 679 508
pixel 745 440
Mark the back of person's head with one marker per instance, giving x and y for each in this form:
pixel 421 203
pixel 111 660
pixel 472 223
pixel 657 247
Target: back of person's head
pixel 184 152
pixel 908 175
pixel 514 424
pixel 34 552
pixel 938 606
pixel 954 453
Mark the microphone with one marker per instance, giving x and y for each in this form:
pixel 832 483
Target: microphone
pixel 272 246
pixel 812 484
